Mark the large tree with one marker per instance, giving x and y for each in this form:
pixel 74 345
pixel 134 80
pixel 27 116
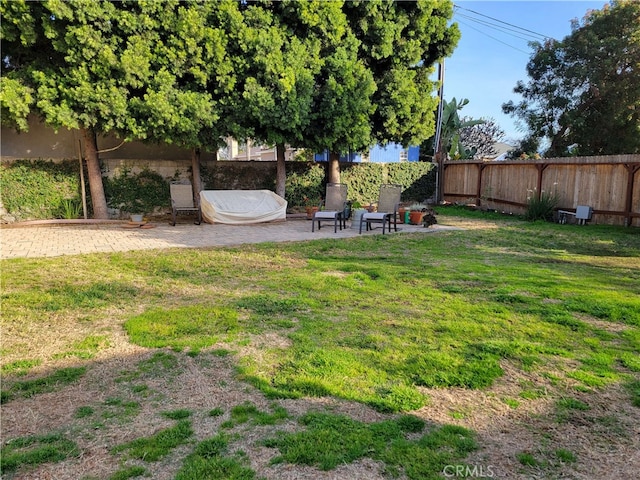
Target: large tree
pixel 583 95
pixel 185 93
pixel 342 105
pixel 400 44
pixel 377 88
pixel 277 61
pixel 155 71
pixel 371 82
pixel 481 137
pixel 336 75
pixel 343 88
pixel 58 60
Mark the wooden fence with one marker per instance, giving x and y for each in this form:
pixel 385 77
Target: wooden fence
pixel 608 184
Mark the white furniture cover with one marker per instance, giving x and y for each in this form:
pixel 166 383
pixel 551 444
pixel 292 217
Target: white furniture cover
pixel 242 206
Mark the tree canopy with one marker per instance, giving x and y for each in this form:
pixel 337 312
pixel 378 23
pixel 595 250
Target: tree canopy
pixel 320 74
pixel 400 43
pixel 155 71
pixel 583 95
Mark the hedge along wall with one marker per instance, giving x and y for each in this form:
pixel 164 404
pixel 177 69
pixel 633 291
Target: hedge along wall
pixel 418 180
pixel 39 189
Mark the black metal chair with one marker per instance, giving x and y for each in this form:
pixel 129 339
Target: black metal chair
pixel 334 204
pixel 388 203
pixel 182 201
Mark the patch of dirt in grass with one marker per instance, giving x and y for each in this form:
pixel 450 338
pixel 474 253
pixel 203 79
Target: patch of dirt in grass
pixel 611 327
pixel 605 439
pixel 470 223
pixel 364 469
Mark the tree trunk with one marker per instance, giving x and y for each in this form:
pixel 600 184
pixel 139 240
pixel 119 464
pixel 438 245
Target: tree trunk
pixel 98 200
pixel 334 168
pixel 195 172
pixel 281 170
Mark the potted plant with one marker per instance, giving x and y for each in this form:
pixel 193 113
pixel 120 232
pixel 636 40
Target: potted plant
pixel 311 205
pixel 416 213
pixel 136 217
pixel 429 218
pixel 357 211
pixel 133 206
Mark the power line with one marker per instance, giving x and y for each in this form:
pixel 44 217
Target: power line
pixel 508 31
pixel 543 37
pixel 494 38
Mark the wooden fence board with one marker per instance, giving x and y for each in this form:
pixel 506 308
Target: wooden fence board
pixel 608 184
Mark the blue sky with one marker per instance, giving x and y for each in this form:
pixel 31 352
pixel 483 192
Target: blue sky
pixel 484 69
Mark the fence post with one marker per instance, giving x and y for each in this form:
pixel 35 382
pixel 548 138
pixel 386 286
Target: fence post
pixel 481 167
pixel 632 168
pixel 541 167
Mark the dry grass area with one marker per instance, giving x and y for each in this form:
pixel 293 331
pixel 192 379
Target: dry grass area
pixel 605 439
pixel 198 384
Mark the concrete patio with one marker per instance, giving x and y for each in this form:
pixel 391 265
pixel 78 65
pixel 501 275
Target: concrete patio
pixel 47 239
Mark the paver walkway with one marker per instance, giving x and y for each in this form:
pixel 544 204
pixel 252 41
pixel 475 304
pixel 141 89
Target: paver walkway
pixel 60 239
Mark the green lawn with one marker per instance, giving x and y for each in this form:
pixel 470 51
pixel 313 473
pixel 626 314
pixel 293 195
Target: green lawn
pixel 377 320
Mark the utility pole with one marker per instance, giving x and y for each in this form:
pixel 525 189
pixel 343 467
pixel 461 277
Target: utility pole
pixel 438 156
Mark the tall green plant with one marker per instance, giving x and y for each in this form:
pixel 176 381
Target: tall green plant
pixel 70 209
pixel 452 126
pixel 541 207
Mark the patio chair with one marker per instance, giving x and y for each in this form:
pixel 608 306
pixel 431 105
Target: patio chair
pixel 182 202
pixel 334 203
pixel 388 203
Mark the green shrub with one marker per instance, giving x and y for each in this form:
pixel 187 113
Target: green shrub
pixel 541 208
pixel 364 180
pixel 44 189
pixel 418 179
pixel 307 184
pixel 137 192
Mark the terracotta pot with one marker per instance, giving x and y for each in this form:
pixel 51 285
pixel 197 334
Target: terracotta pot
pixel 415 217
pixel 310 211
pixel 401 212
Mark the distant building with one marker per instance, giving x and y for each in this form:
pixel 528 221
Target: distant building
pixel 390 153
pixel 501 149
pixel 247 150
